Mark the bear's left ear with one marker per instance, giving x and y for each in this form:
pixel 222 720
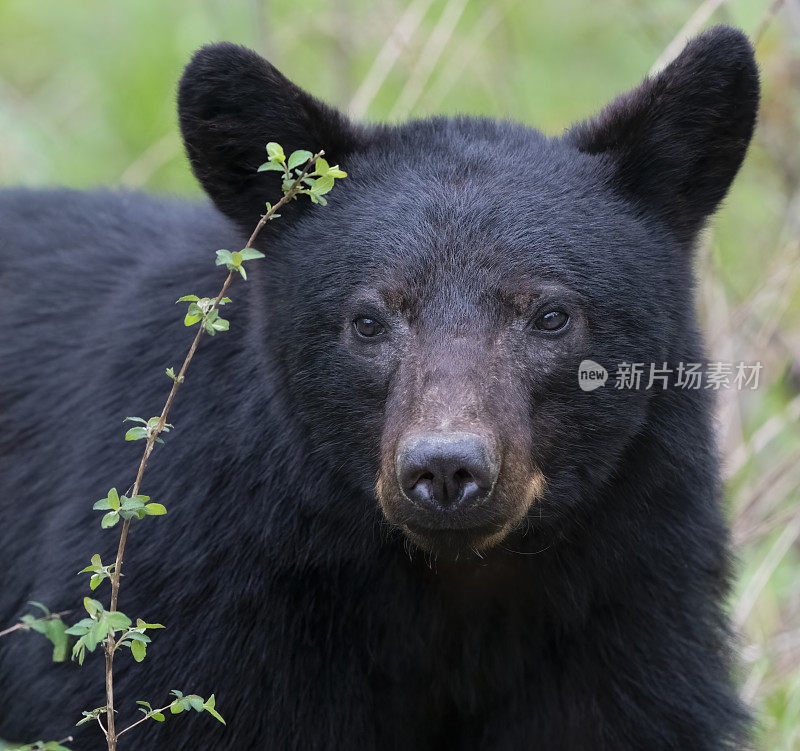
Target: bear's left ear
pixel 676 142
pixel 231 102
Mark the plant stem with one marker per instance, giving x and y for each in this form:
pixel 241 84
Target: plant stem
pixel 111 734
pixel 26 626
pixel 146 717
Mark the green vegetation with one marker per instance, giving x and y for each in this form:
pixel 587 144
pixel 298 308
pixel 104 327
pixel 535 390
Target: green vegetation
pixel 87 98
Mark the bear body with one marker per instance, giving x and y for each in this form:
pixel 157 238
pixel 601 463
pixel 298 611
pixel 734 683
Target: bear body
pixel 322 618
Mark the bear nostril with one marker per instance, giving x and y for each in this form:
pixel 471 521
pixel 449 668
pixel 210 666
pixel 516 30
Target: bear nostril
pixel 464 486
pixel 445 471
pixel 423 488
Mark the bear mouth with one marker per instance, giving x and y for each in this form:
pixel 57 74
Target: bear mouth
pixel 453 542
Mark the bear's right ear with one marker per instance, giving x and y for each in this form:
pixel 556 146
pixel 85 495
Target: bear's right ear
pixel 231 102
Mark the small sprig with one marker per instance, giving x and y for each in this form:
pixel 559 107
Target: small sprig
pixel 126 507
pixel 95 629
pixel 303 173
pixel 101 626
pixel 205 309
pixel 136 640
pixel 150 427
pixel 233 261
pixel 92 714
pixel 179 704
pixel 314 184
pixel 49 625
pixel 98 571
pixel 43 745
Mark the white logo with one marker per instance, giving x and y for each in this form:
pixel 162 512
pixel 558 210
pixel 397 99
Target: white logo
pixel 591 375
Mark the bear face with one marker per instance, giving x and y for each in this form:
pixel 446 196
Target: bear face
pixel 430 320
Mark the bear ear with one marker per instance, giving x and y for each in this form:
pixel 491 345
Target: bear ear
pixel 231 102
pixel 676 142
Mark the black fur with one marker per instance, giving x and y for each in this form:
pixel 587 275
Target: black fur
pixel 596 625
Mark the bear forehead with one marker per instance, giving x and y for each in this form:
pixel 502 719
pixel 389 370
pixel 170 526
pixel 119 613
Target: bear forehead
pixel 554 219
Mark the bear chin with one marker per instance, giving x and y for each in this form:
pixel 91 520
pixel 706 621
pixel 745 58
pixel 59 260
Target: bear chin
pixel 457 544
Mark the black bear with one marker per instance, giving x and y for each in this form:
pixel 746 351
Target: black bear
pixel 396 521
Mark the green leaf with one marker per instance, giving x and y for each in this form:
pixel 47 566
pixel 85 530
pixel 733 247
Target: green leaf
pixel 132 503
pixel 224 257
pixel 275 152
pixel 56 632
pixel 221 324
pixel 321 167
pixel 76 630
pixel 241 270
pixel 136 434
pixel 79 651
pixel 118 621
pixel 155 509
pixel 157 716
pixel 321 185
pixel 97 560
pixel 270 166
pixel 93 607
pixel 96 581
pixel 142 624
pixel 39 605
pixel 250 254
pixel 171 373
pixel 191 319
pixel 298 157
pixel 176 707
pixel 135 419
pixel 196 702
pixel 236 258
pixel 336 172
pixel 109 520
pixel 187 298
pixel 138 650
pixel 209 707
pixel 96 634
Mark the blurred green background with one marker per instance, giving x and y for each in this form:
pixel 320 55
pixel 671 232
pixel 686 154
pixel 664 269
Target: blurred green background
pixel 87 97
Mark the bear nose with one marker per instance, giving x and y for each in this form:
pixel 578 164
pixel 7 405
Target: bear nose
pixel 446 471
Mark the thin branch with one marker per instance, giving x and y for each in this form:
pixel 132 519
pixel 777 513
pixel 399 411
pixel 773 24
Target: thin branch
pixel 25 626
pixel 146 717
pixel 110 645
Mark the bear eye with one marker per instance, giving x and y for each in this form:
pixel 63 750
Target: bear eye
pixel 367 327
pixel 551 320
